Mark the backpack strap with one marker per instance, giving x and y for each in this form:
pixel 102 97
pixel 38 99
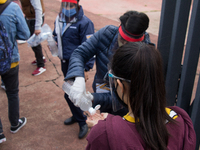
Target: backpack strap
pixel 3 6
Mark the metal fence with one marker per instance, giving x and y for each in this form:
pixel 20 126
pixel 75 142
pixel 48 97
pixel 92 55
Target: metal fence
pixel 179 44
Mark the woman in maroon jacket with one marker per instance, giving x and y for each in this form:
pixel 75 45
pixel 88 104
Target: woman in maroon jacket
pixel 137 83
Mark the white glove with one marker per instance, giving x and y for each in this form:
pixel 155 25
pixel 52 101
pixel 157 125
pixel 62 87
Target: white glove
pixel 85 101
pixel 89 96
pixel 77 90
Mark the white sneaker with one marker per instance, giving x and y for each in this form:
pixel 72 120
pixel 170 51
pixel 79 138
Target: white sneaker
pixel 21 41
pixel 22 122
pixel 39 71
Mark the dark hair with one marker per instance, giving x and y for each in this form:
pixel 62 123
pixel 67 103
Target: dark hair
pixel 142 64
pixel 78 5
pixel 135 22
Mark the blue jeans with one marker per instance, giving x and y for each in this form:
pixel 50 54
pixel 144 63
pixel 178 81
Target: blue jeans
pixel 76 111
pixel 11 81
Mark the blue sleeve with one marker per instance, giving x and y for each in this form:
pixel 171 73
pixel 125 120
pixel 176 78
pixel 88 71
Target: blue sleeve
pixel 23 32
pixel 81 55
pixel 89 65
pixel 84 53
pixel 86 32
pixel 105 100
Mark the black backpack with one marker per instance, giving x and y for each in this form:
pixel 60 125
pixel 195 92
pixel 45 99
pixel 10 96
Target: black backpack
pixel 5 48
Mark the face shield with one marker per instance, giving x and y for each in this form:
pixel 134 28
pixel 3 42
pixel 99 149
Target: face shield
pixel 117 102
pixel 68 10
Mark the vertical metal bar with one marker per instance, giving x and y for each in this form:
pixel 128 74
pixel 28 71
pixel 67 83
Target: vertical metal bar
pixel 195 115
pixel 176 49
pixel 165 30
pixel 189 70
pixel 191 58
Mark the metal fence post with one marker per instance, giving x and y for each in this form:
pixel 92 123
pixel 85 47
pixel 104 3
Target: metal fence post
pixel 165 30
pixel 171 40
pixel 195 115
pixel 176 48
pixel 191 59
pixel 189 70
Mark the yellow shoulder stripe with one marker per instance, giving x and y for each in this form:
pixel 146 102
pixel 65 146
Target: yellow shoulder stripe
pixel 129 118
pixel 13 65
pixel 169 111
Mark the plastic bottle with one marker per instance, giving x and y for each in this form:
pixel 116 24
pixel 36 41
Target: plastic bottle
pixel 35 40
pixel 85 105
pixel 52 46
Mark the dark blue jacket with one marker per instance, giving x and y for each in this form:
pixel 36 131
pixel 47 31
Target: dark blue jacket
pixel 102 44
pixel 77 33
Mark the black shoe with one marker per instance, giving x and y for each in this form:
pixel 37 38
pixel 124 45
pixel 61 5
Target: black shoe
pixel 69 121
pixel 83 131
pixel 2 138
pixel 22 122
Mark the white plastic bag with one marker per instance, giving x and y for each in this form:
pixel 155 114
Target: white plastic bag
pixel 52 46
pixel 35 40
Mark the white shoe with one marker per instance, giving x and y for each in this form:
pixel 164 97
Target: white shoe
pixel 39 71
pixel 21 41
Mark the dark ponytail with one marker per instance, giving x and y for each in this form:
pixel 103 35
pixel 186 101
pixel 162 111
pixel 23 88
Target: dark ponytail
pixel 142 64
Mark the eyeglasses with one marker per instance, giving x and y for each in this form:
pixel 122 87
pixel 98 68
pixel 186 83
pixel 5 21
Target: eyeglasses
pixel 113 76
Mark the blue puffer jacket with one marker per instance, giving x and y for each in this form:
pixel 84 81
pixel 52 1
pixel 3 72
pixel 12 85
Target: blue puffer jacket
pixel 102 44
pixel 79 31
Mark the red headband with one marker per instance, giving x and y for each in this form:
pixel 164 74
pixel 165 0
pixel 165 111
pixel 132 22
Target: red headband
pixel 129 38
pixel 71 1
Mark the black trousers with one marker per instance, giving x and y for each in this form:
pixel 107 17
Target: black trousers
pixel 37 49
pixel 11 81
pixel 76 111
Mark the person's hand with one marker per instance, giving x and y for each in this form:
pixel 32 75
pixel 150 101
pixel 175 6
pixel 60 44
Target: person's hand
pixel 77 90
pixel 86 98
pixel 94 119
pixel 37 32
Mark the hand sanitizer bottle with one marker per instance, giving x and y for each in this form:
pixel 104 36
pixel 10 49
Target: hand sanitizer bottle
pixel 85 104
